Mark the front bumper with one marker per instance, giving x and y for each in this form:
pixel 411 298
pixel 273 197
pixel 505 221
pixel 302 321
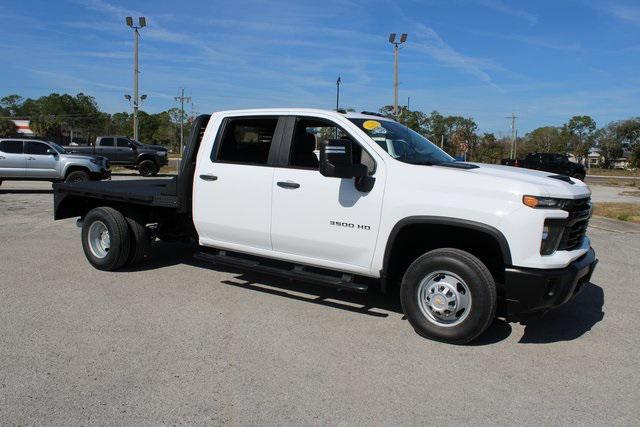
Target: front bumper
pixel 533 289
pixel 102 174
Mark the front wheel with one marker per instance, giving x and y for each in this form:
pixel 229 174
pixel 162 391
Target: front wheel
pixel 448 295
pixel 77 176
pixel 147 168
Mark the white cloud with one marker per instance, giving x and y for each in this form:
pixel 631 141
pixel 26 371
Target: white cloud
pixel 620 11
pixel 502 7
pixel 431 43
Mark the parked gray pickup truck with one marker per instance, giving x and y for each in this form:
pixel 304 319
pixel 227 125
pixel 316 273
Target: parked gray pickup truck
pixel 122 151
pixel 37 160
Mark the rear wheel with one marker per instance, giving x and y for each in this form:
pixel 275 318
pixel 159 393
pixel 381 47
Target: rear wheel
pixel 77 176
pixel 448 295
pixel 140 242
pixel 147 168
pixel 105 238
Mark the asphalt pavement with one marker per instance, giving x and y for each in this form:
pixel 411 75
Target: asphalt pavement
pixel 178 342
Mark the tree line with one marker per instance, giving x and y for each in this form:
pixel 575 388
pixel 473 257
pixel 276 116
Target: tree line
pixel 579 136
pixel 58 116
pixel 55 116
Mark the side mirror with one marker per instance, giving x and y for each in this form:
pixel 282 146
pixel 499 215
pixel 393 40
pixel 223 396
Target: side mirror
pixel 336 160
pixel 52 151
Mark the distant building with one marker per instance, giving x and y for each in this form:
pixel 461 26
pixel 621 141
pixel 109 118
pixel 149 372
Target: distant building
pixel 23 128
pixel 595 160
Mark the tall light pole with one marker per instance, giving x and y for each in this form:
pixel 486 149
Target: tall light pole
pixel 338 93
pixel 142 22
pixel 392 40
pixel 182 99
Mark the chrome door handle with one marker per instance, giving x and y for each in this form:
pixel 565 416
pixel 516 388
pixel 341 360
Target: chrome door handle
pixel 31 158
pixel 288 184
pixel 208 177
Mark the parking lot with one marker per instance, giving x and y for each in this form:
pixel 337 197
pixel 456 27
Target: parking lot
pixel 177 342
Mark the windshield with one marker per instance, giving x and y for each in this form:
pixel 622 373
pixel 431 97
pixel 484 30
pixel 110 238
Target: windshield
pixel 58 148
pixel 402 143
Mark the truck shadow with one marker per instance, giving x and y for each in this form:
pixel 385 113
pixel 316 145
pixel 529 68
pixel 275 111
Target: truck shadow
pixel 564 323
pixel 567 322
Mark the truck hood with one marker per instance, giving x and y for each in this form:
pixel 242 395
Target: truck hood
pixel 78 156
pixel 551 187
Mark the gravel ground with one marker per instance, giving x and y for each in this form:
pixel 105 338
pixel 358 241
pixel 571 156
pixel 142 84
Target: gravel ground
pixel 180 343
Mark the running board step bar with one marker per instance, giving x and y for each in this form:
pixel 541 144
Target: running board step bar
pixel 281 269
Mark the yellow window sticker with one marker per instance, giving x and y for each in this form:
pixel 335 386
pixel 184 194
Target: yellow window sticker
pixel 371 125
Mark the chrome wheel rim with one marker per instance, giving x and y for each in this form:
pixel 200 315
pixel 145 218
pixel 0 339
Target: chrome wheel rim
pixel 99 239
pixel 444 298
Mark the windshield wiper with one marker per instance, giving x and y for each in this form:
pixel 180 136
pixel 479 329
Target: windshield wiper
pixel 454 164
pixel 422 163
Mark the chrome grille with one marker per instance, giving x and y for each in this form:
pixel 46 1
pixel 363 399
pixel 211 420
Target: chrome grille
pixel 576 224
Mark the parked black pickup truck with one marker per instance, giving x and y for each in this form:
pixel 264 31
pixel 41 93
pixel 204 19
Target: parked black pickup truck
pixel 549 162
pixel 122 151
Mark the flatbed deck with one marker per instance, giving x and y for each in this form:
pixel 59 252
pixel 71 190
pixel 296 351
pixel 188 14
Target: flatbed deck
pixel 150 192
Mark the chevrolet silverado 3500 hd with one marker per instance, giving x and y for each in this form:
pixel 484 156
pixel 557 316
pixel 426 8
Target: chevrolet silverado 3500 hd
pixel 459 241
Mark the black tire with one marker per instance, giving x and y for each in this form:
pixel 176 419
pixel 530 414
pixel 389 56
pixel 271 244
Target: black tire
pixel 147 168
pixel 77 176
pixel 475 276
pixel 140 242
pixel 119 236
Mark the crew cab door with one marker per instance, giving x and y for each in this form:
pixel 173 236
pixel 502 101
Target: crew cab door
pixel 13 162
pixel 321 220
pixel 125 151
pixel 107 147
pixel 40 163
pixel 233 185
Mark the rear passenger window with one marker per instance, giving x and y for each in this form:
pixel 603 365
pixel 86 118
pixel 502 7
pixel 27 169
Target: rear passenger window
pixel 106 142
pixel 14 147
pixel 246 140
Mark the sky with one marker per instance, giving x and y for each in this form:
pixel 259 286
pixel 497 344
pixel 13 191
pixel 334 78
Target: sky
pixel 543 60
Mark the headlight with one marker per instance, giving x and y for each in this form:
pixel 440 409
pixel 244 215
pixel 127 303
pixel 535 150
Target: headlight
pixel 551 236
pixel 544 202
pixel 162 153
pixel 95 161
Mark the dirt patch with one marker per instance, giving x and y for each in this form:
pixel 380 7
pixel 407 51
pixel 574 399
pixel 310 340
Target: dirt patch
pixel 631 193
pixel 621 211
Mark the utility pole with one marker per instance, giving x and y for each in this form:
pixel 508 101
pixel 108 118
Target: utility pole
pixel 408 102
pixel 182 99
pixel 142 22
pixel 392 40
pixel 512 153
pixel 338 93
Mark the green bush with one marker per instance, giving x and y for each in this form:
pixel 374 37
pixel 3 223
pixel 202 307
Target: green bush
pixel 7 128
